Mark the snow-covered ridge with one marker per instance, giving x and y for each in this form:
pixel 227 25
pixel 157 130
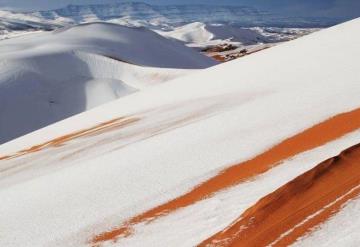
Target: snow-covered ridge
pixel 243 15
pixel 12 24
pixel 149 13
pixel 47 77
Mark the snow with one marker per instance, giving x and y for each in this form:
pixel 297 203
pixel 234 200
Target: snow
pixel 47 77
pixel 198 34
pixel 187 130
pixel 191 33
pixel 162 18
pixel 13 24
pixel 124 43
pixel 340 230
pixel 178 13
pixel 23 18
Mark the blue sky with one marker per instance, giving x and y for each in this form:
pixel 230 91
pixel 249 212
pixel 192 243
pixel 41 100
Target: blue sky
pixel 327 8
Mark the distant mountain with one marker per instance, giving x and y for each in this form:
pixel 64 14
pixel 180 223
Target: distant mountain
pixel 169 14
pixel 13 23
pixel 152 13
pixel 241 15
pixel 152 16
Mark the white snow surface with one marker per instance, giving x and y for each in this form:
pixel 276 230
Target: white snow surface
pixel 340 230
pixel 47 77
pixel 188 129
pixel 136 45
pixel 190 33
pixel 201 34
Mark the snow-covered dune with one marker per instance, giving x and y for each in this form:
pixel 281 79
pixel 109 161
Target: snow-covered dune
pixel 181 162
pixel 201 34
pixel 47 77
pixel 138 46
pixel 195 32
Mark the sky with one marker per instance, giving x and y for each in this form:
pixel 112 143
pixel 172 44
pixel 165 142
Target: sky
pixel 312 8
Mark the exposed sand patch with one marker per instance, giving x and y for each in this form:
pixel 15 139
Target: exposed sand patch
pixel 311 138
pixel 226 56
pixel 294 209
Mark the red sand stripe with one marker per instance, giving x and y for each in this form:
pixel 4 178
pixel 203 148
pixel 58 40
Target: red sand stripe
pixel 96 130
pixel 311 138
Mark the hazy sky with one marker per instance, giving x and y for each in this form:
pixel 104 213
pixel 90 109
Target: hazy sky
pixel 330 8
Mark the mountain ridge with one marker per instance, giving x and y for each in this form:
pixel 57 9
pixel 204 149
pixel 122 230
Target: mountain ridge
pixel 180 13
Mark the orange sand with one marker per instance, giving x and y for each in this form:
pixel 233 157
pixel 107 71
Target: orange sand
pixel 294 209
pixel 311 138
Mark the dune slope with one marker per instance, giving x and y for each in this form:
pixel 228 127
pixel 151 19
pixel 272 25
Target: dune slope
pixel 276 114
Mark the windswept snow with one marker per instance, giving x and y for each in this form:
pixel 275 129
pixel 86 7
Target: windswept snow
pixel 182 132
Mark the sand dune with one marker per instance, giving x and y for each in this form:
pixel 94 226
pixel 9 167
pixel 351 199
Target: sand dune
pixel 47 77
pixel 175 164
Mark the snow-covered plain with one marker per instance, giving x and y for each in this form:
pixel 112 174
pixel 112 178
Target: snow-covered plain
pixel 183 132
pixel 46 77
